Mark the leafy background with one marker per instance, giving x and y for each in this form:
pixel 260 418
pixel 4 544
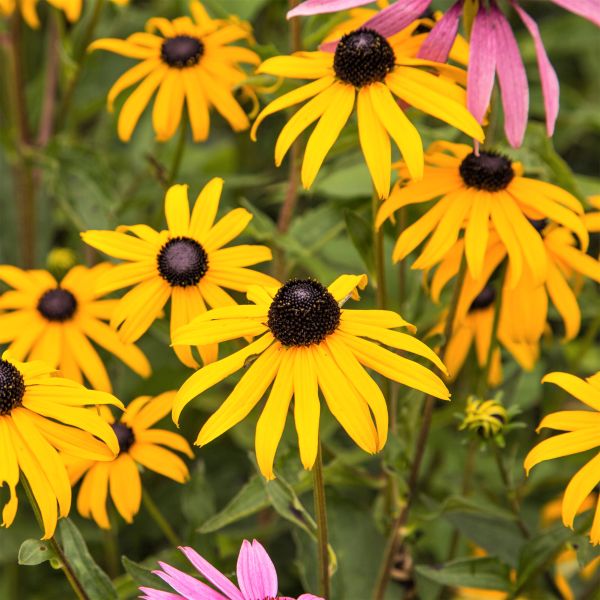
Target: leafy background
pixel 91 180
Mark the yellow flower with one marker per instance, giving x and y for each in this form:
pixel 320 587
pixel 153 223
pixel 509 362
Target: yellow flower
pixel 55 322
pixel 138 445
pixel 306 342
pixel 40 413
pixel 582 429
pixel 370 69
pixel 189 62
pixel 485 417
pixel 187 264
pixel 476 192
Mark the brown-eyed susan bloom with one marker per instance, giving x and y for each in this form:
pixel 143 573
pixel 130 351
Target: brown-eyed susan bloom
pixel 40 414
pixel 306 342
pixel 369 70
pixel 56 322
pixel 582 433
pixel 139 445
pixel 479 192
pixel 188 264
pixel 189 61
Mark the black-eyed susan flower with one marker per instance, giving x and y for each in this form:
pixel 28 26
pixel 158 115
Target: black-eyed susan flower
pixel 139 445
pixel 306 342
pixel 187 264
pixel 369 70
pixel 190 62
pixel 54 322
pixel 582 433
pixel 481 193
pixel 40 414
pixel 487 418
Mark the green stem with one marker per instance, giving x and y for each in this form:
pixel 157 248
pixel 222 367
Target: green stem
pixel 178 156
pixel 401 216
pixel 321 518
pixel 159 519
pixel 381 291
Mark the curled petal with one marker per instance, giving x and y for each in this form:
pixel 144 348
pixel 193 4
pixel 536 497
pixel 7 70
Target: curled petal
pixel 439 42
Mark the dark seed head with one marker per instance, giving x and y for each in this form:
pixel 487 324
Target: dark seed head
pixel 124 435
pixel 57 305
pixel 486 298
pixel 489 171
pixel 539 224
pixel 12 387
pixel 182 262
pixel 302 313
pixel 363 57
pixel 182 51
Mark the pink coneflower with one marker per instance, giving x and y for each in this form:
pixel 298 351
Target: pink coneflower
pixel 494 52
pixel 256 577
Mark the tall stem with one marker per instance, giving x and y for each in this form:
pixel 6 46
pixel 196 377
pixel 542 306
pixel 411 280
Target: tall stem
pixel 178 156
pixel 394 539
pixel 381 290
pixel 159 518
pixel 322 533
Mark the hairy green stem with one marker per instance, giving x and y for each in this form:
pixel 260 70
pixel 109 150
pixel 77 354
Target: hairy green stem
pixel 322 530
pixel 160 520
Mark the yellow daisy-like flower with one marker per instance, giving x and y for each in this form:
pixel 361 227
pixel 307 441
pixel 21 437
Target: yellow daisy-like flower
pixel 55 322
pixel 39 414
pixel 187 264
pixel 139 444
pixel 306 342
pixel 479 193
pixel 582 429
pixel 371 70
pixel 189 62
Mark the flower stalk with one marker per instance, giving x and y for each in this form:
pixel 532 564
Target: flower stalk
pixel 322 529
pixel 160 520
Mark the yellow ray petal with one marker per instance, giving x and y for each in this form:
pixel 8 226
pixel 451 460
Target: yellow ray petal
pixel 168 105
pixel 119 245
pixel 226 229
pixel 124 48
pixel 240 279
pixel 308 65
pixel 347 286
pixel 150 412
pixel 205 209
pixel 377 318
pixel 177 210
pixel 581 389
pixel 477 232
pixel 99 493
pixel 509 239
pixel 129 78
pixel 165 438
pixel 197 105
pixel 565 301
pixel 570 420
pixel 125 486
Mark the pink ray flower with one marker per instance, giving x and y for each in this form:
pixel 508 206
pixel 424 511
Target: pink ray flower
pixel 256 577
pixel 494 52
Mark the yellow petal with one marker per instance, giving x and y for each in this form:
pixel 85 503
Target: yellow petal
pixel 177 210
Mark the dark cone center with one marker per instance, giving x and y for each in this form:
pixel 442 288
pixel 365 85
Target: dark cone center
pixel 182 262
pixel 12 387
pixel 486 298
pixel 125 436
pixel 182 51
pixel 302 313
pixel 57 305
pixel 489 171
pixel 363 57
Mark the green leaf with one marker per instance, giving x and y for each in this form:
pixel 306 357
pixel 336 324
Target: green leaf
pixel 94 580
pixel 361 234
pixel 288 505
pixel 34 552
pixel 142 575
pixel 486 572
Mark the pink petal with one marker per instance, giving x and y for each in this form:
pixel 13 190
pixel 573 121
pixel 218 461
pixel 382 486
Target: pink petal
pixel 550 85
pixel 152 594
pixel 256 573
pixel 588 9
pixel 309 597
pixel 315 7
pixel 186 585
pixel 439 42
pixel 396 17
pixel 482 64
pixel 212 574
pixel 512 78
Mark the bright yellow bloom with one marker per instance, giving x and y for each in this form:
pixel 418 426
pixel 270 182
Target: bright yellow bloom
pixel 370 69
pixel 582 429
pixel 481 193
pixel 189 62
pixel 39 414
pixel 306 342
pixel 187 264
pixel 55 322
pixel 139 445
pixel 485 417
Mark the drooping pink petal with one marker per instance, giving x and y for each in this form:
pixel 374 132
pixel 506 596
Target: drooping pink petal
pixel 212 574
pixel 549 80
pixel 439 42
pixel 316 7
pixel 397 16
pixel 309 597
pixel 588 9
pixel 186 585
pixel 512 77
pixel 482 64
pixel 152 594
pixel 256 573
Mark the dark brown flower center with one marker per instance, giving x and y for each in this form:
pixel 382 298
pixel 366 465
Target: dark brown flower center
pixel 182 51
pixel 182 262
pixel 12 387
pixel 125 436
pixel 489 171
pixel 363 57
pixel 485 298
pixel 57 305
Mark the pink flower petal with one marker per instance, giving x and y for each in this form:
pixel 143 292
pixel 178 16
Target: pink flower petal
pixel 512 77
pixel 256 573
pixel 397 16
pixel 438 43
pixel 186 585
pixel 482 64
pixel 212 574
pixel 309 597
pixel 152 594
pixel 550 85
pixel 588 9
pixel 315 7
